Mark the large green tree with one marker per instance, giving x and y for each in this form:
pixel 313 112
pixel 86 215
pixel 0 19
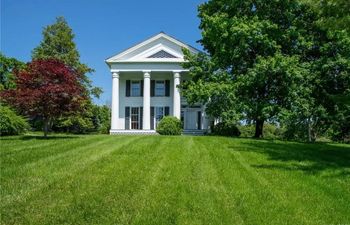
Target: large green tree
pixel 256 48
pixel 58 42
pixel 265 59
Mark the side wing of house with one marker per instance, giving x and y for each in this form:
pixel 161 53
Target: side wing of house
pixel 144 87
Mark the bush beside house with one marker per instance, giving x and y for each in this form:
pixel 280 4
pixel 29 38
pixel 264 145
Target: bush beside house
pixel 169 125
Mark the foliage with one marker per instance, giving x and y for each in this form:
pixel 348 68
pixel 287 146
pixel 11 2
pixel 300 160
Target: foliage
pixel 271 131
pixel 92 118
pixel 58 43
pixel 226 129
pixel 11 123
pixel 169 125
pixel 46 88
pixel 103 119
pixel 7 68
pixel 270 61
pixel 333 14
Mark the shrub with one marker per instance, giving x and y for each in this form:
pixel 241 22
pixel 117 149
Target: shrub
pixel 226 129
pixel 11 123
pixel 270 131
pixel 169 125
pixel 247 130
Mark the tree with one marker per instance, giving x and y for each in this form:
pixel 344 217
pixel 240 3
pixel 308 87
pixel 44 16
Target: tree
pixel 267 58
pixel 46 88
pixel 7 68
pixel 256 48
pixel 58 43
pixel 332 82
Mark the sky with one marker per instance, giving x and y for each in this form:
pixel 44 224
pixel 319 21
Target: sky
pixel 102 28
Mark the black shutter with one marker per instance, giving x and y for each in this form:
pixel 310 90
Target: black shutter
pixel 152 118
pixel 166 110
pixel 199 120
pixel 141 94
pixel 167 88
pixel 127 90
pixel 127 118
pixel 141 117
pixel 153 86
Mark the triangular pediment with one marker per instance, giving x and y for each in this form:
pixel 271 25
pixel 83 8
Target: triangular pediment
pixel 159 48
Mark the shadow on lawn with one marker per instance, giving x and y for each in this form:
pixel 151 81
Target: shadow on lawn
pixel 309 158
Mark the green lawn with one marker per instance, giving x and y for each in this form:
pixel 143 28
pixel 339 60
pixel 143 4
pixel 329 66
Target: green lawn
pixel 172 180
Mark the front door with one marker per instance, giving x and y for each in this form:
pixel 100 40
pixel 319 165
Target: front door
pixel 192 119
pixel 135 118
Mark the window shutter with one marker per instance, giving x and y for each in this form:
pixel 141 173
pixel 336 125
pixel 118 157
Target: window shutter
pixel 127 118
pixel 167 88
pixel 152 118
pixel 166 110
pixel 199 120
pixel 127 89
pixel 141 94
pixel 141 117
pixel 153 86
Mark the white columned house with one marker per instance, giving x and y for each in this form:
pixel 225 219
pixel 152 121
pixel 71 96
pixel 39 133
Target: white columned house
pixel 145 81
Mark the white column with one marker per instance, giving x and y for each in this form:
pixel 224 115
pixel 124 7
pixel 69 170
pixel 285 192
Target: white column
pixel 176 95
pixel 115 101
pixel 146 100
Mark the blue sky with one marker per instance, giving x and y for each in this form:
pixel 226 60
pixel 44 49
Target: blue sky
pixel 102 27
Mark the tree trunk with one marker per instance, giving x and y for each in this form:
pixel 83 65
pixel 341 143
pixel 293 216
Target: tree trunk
pixel 46 127
pixel 309 129
pixel 259 124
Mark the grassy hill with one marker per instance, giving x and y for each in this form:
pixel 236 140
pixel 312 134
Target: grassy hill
pixel 101 179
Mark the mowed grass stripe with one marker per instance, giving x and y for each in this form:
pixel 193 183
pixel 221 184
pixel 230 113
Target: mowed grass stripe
pixel 255 194
pixel 226 207
pixel 60 184
pixel 302 187
pixel 166 201
pixel 295 189
pixel 112 184
pixel 35 177
pixel 26 157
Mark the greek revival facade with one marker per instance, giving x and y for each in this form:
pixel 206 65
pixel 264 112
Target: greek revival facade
pixel 145 81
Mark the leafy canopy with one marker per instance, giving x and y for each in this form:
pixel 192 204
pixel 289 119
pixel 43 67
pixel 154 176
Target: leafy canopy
pixel 58 43
pixel 7 68
pixel 46 88
pixel 267 58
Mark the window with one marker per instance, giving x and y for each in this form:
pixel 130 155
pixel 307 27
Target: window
pixel 160 88
pixel 135 118
pixel 135 88
pixel 159 114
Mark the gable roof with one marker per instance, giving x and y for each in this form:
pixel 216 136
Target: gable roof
pixel 158 48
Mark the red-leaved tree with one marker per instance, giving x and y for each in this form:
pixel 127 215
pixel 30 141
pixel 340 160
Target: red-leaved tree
pixel 46 88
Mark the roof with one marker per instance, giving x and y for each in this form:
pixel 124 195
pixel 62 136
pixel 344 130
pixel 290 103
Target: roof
pixel 158 48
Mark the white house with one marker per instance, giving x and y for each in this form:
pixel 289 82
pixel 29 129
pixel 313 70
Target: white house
pixel 144 87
